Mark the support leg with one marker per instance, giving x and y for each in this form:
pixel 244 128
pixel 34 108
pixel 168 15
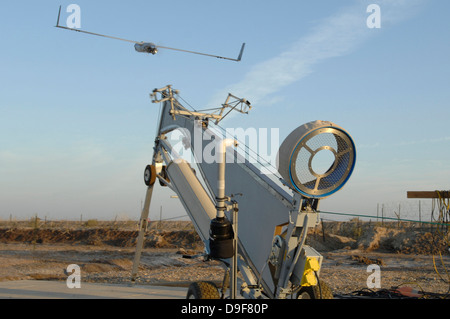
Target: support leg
pixel 234 266
pixel 142 228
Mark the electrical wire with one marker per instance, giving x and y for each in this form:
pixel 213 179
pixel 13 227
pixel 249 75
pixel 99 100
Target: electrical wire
pixel 246 149
pixel 440 236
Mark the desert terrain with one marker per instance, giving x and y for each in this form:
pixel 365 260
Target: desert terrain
pixel 408 256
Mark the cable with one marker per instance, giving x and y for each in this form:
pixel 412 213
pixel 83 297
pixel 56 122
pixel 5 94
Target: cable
pixel 439 237
pixel 193 109
pixel 377 217
pixel 246 149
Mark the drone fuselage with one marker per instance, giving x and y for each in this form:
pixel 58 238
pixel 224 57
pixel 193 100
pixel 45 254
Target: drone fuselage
pixel 146 47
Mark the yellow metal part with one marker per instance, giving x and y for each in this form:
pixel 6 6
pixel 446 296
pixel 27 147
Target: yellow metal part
pixel 309 277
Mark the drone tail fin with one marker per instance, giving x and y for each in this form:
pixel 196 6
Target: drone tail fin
pixel 59 14
pixel 241 52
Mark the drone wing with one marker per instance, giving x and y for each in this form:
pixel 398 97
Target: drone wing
pixel 211 55
pixel 140 42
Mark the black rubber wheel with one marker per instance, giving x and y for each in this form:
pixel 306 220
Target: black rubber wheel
pixel 320 291
pixel 149 175
pixel 165 176
pixel 203 290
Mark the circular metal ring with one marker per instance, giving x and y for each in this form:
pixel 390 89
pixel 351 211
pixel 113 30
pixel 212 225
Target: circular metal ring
pixel 299 153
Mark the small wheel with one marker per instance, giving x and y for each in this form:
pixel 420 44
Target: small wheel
pixel 202 290
pixel 165 176
pixel 150 175
pixel 319 291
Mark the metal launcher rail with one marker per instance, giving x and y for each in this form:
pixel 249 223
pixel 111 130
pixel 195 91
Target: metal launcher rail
pixel 267 246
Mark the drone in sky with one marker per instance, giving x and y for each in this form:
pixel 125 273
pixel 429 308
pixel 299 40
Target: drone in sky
pixel 148 47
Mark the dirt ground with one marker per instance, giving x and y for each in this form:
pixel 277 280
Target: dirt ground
pixel 407 257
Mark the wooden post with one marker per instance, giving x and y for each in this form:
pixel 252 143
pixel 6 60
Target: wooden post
pixel 378 209
pixel 420 214
pixel 428 194
pixel 323 230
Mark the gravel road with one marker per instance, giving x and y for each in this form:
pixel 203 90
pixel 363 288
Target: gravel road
pixel 344 270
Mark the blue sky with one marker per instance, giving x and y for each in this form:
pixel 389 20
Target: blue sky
pixel 77 125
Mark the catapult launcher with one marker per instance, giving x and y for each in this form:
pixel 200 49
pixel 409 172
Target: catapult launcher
pixel 254 223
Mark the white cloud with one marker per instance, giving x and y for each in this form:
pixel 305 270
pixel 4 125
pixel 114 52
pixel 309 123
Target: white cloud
pixel 335 36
